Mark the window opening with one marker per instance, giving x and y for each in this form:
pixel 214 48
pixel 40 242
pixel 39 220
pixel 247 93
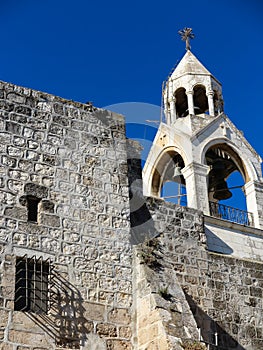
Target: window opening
pixel 32 207
pixel 225 185
pixel 172 183
pixel 200 100
pixel 181 103
pixel 174 192
pixel 32 284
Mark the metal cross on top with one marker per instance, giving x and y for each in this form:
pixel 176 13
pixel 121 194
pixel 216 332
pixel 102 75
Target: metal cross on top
pixel 186 35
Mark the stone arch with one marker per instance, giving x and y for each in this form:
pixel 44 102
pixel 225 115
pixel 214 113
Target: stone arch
pixel 245 167
pixel 223 161
pixel 181 102
pixel 163 168
pixel 200 99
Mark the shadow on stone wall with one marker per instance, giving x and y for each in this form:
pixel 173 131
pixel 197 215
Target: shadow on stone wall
pixel 209 328
pixel 142 224
pixel 65 321
pixel 215 244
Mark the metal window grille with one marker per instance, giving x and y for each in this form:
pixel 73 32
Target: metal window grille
pixel 32 284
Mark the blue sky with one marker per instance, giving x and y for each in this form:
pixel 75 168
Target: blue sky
pixel 112 52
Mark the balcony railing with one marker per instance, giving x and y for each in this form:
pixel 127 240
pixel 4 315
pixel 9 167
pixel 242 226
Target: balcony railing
pixel 225 212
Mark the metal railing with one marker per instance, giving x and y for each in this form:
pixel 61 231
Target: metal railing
pixel 225 212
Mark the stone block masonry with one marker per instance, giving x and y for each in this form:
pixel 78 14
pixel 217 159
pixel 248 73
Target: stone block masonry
pixel 64 201
pixel 87 262
pixel 224 293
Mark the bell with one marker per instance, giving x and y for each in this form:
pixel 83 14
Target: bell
pixel 221 190
pixel 218 182
pixel 177 174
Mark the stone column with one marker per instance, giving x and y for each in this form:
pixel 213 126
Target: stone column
pixel 173 110
pixel 167 113
pixel 190 100
pixel 254 196
pixel 211 107
pixel 195 175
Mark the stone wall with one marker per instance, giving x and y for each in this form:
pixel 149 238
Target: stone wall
pixel 163 317
pixel 72 163
pixel 239 241
pixel 225 294
pixel 71 157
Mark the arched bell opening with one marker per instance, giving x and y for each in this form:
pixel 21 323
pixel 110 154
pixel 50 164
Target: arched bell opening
pixel 181 102
pixel 218 103
pixel 226 180
pixel 200 100
pixel 168 181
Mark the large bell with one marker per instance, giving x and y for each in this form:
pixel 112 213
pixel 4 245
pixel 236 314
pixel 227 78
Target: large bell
pixel 218 182
pixel 177 174
pixel 221 190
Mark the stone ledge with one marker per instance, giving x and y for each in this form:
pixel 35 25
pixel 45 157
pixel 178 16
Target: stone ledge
pixel 232 225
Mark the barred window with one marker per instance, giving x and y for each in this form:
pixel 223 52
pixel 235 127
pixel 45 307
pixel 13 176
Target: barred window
pixel 32 284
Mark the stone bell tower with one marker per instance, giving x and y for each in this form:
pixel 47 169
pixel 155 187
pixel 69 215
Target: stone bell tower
pixel 199 145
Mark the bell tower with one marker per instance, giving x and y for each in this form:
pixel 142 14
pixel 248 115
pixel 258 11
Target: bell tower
pixel 198 146
pixel 191 90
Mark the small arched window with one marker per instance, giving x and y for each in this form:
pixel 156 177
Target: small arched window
pixel 200 100
pixel 181 102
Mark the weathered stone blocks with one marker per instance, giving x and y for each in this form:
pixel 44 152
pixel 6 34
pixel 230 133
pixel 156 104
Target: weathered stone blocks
pixel 224 293
pixel 57 151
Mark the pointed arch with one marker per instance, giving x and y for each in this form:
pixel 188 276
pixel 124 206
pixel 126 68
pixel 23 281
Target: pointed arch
pixel 227 177
pixel 244 166
pixel 163 169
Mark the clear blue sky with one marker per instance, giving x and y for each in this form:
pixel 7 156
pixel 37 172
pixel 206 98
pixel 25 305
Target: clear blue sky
pixel 120 51
pixel 110 52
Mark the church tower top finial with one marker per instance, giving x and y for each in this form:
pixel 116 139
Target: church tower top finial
pixel 186 35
